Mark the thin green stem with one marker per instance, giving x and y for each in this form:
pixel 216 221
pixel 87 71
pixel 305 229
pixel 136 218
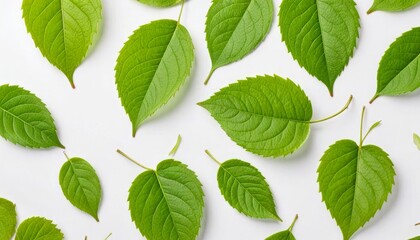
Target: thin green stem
pixel 362 119
pixel 180 13
pixel 65 154
pixel 132 160
pixel 335 115
pixel 373 99
pixel 375 125
pixel 209 76
pixel 109 235
pixel 212 157
pixel 293 223
pixel 175 148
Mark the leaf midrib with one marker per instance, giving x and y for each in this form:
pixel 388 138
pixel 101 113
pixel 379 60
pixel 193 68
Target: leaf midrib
pixel 80 186
pixel 236 179
pixel 322 40
pixel 140 119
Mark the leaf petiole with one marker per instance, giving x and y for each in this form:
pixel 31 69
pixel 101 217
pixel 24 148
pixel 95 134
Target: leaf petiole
pixel 212 157
pixel 209 76
pixel 132 160
pixel 293 223
pixel 180 13
pixel 335 115
pixel 375 125
pixel 107 237
pixel 65 154
pixel 175 148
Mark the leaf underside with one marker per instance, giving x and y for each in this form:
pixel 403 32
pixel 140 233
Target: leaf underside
pixel 246 190
pixel 392 5
pixel 38 228
pixel 63 30
pixel 234 28
pixel 399 69
pixel 160 3
pixel 167 203
pixel 284 235
pixel 8 219
pixel 153 64
pixel 354 182
pixel 25 120
pixel 266 115
pixel 321 35
pixel 81 185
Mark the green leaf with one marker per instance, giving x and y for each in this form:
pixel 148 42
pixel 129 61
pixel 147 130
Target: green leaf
pixel 321 35
pixel 38 228
pixel 392 5
pixel 266 115
pixel 246 190
pixel 284 235
pixel 153 64
pixel 63 30
pixel 399 69
pixel 415 238
pixel 25 120
pixel 355 181
pixel 416 139
pixel 234 28
pixel 167 203
pixel 160 3
pixel 8 219
pixel 81 185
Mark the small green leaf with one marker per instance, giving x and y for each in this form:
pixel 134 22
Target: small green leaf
pixel 25 120
pixel 321 35
pixel 355 181
pixel 392 5
pixel 416 139
pixel 8 219
pixel 153 64
pixel 284 235
pixel 81 185
pixel 38 228
pixel 245 189
pixel 63 30
pixel 160 3
pixel 269 116
pixel 167 203
pixel 234 28
pixel 399 70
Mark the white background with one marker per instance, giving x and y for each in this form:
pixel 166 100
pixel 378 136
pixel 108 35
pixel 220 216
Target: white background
pixel 92 125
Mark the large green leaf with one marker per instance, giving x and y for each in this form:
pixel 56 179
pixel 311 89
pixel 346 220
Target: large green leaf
pixel 399 69
pixel 392 5
pixel 268 116
pixel 245 189
pixel 160 3
pixel 8 219
pixel 321 35
pixel 38 228
pixel 234 28
pixel 355 181
pixel 63 30
pixel 81 185
pixel 167 203
pixel 153 64
pixel 25 120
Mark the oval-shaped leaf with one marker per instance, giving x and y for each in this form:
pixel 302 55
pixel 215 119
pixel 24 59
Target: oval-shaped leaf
pixel 63 30
pixel 25 120
pixel 246 190
pixel 321 35
pixel 8 219
pixel 153 64
pixel 167 203
pixel 268 116
pixel 81 185
pixel 234 28
pixel 399 69
pixel 160 3
pixel 354 182
pixel 392 5
pixel 38 228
